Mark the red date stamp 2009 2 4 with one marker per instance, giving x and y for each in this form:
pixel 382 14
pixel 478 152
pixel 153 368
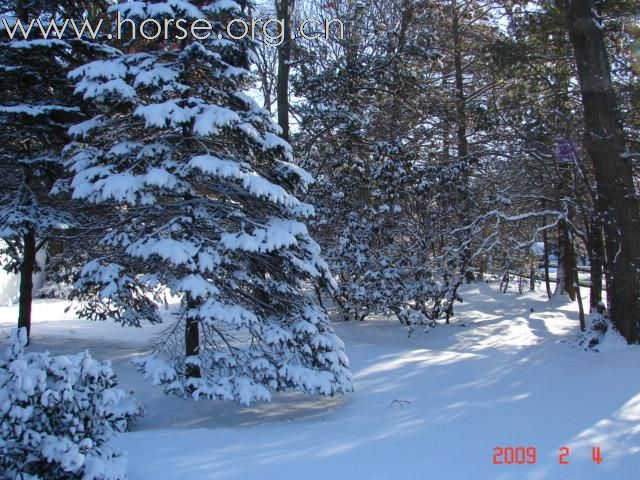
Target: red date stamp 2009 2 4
pixel 529 455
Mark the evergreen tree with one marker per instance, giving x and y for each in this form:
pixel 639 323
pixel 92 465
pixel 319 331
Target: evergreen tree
pixel 202 191
pixel 36 109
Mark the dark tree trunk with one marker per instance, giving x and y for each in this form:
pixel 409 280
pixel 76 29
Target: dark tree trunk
pixel 26 281
pixel 566 263
pixel 504 284
pixel 576 278
pixel 596 258
pixel 604 142
pixel 284 8
pixel 192 341
pixel 545 253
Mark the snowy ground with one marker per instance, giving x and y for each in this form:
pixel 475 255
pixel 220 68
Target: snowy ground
pixel 428 406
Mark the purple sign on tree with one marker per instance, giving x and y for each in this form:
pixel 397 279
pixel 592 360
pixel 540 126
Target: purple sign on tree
pixel 565 150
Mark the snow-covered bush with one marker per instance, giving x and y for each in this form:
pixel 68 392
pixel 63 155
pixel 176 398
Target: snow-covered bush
pixel 379 274
pixel 597 328
pixel 58 415
pixel 389 248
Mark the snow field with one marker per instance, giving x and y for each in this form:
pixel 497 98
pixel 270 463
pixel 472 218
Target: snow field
pixel 431 405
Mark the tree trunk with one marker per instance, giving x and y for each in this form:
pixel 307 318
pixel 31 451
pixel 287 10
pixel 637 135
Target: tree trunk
pixel 576 278
pixel 604 142
pixel 192 341
pixel 26 282
pixel 284 57
pixel 545 253
pixel 566 263
pixel 596 258
pixel 504 284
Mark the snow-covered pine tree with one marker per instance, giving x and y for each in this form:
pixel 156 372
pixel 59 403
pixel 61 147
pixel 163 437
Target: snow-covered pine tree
pixel 205 194
pixel 36 109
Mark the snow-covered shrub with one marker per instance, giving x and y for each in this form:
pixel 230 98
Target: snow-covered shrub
pixel 597 327
pixel 379 274
pixel 389 249
pixel 58 415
